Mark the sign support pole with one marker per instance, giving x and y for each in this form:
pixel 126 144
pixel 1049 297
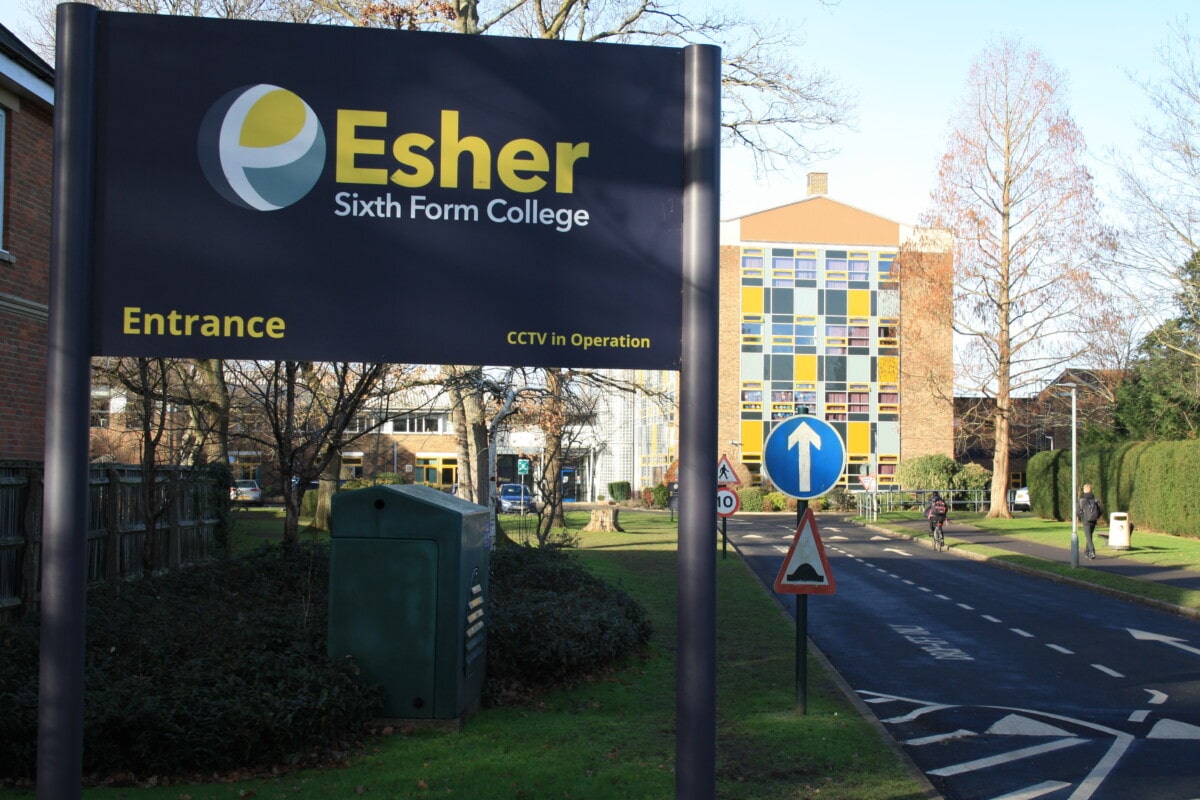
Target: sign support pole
pixel 801 638
pixel 696 682
pixel 68 394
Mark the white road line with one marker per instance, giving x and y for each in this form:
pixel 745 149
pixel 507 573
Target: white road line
pixel 1103 767
pixel 1005 758
pixel 1035 791
pixel 990 618
pixel 941 597
pixel 780 548
pixel 965 606
pixel 894 550
pixel 923 589
pixel 917 712
pixel 1020 632
pixel 961 733
pixel 1157 698
pixel 1108 670
pixel 1061 649
pixel 1139 715
pixel 910 583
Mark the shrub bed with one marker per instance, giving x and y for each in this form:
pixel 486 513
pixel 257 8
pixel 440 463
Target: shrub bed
pixel 224 667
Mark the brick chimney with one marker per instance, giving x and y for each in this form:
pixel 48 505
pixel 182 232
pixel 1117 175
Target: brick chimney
pixel 818 183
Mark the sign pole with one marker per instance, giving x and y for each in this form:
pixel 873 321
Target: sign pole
pixel 68 393
pixel 801 638
pixel 724 538
pixel 696 678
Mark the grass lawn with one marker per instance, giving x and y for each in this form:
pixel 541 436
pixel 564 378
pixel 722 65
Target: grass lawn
pixel 614 737
pixel 1160 550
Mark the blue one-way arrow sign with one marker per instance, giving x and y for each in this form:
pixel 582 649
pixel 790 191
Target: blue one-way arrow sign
pixel 804 457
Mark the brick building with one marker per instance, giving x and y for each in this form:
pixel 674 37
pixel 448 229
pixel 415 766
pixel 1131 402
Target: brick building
pixel 26 146
pixel 811 319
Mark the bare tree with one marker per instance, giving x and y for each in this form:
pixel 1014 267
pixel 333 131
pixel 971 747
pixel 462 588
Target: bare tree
pixel 304 414
pixel 1013 192
pixel 1160 197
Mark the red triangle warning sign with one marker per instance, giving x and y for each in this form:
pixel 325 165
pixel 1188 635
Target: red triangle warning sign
pixel 805 569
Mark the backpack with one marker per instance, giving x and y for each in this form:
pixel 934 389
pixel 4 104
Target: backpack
pixel 1090 508
pixel 938 508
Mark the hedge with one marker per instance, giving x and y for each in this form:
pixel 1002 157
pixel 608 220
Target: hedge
pixel 1152 481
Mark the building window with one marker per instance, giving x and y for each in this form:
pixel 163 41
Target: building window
pixel 101 408
pixel 420 423
pixel 858 333
pixel 806 265
pixel 752 264
pixel 352 466
pixel 806 331
pixel 859 267
pixel 887 277
pixel 859 402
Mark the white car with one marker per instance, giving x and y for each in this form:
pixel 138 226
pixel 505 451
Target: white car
pixel 1020 501
pixel 246 491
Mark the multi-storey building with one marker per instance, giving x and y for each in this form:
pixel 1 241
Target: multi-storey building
pixel 26 147
pixel 812 321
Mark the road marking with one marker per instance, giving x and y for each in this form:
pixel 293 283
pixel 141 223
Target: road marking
pixel 1061 649
pixel 1140 715
pixel 918 712
pixel 894 550
pixel 1159 637
pixel 1108 670
pixel 1157 698
pixel 869 564
pixel 781 548
pixel 836 538
pixel 1006 758
pixel 878 538
pixel 751 536
pixel 923 589
pixel 1020 632
pixel 990 618
pixel 941 597
pixel 906 580
pixel 965 606
pixel 1035 791
pixel 961 733
pixel 1171 729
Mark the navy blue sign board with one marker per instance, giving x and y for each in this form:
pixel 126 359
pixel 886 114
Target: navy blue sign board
pixel 805 568
pixel 804 457
pixel 259 190
pixel 331 193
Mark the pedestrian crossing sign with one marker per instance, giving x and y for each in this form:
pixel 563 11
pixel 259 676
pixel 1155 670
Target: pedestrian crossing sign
pixel 805 569
pixel 726 476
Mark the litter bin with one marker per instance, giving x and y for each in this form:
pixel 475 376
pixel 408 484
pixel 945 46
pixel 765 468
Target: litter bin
pixel 408 587
pixel 1118 530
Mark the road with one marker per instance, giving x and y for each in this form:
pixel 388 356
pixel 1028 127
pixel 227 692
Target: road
pixel 998 685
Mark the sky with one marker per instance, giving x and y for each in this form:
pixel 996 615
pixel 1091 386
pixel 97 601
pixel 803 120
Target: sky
pixel 907 62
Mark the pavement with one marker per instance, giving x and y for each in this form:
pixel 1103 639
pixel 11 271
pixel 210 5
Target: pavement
pixel 1115 562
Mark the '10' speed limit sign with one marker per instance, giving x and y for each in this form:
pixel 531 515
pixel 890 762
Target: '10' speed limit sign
pixel 728 502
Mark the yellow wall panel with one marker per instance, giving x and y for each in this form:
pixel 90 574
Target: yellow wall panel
pixel 889 369
pixel 859 435
pixel 859 302
pixel 752 436
pixel 752 300
pixel 806 369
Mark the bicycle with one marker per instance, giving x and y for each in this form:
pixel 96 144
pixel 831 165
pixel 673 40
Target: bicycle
pixel 939 538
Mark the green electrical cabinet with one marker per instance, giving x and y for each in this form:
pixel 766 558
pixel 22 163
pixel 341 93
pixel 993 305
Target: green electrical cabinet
pixel 408 584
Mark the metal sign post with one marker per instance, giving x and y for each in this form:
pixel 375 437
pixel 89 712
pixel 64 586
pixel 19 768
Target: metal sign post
pixel 804 457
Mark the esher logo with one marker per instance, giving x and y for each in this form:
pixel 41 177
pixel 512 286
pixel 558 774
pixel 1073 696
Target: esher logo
pixel 261 147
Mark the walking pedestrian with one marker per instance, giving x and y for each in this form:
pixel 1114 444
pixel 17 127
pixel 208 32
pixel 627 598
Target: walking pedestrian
pixel 1088 511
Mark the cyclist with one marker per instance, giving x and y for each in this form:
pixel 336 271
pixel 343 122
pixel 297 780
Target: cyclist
pixel 936 510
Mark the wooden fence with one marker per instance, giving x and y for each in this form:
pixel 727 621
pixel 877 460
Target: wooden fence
pixel 187 533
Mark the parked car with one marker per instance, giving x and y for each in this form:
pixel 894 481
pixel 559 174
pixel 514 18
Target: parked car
pixel 1020 499
pixel 246 491
pixel 513 498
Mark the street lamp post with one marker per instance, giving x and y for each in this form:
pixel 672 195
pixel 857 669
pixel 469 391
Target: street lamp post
pixel 1074 478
